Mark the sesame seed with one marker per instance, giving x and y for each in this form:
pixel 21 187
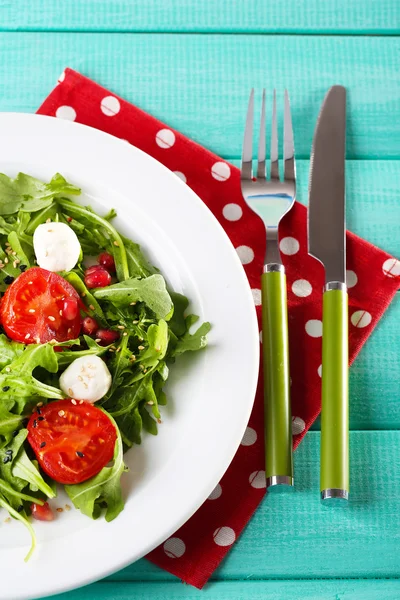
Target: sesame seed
pixel 15 264
pixel 69 330
pixel 120 327
pixel 8 251
pixel 85 385
pixel 140 347
pixel 31 310
pixel 159 421
pixel 37 340
pixel 83 294
pixel 135 322
pixel 59 509
pixel 60 313
pixel 8 369
pixel 8 279
pixel 40 404
pixel 42 445
pixel 73 401
pixel 124 334
pixel 35 423
pixel 144 370
pixel 48 220
pixel 67 507
pixel 91 306
pixel 28 335
pixel 30 282
pixel 22 268
pixel 51 318
pixel 70 392
pixel 40 418
pixel 157 349
pixel 80 454
pixel 38 410
pixel 9 452
pixel 49 231
pixel 80 377
pixel 1 265
pixel 111 350
pixel 132 303
pixel 97 340
pixel 20 508
pixel 140 339
pixel 116 243
pixel 61 413
pixel 7 520
pixel 150 403
pixel 6 260
pixel 6 388
pixel 14 253
pixel 133 357
pixel 8 244
pixel 80 401
pixel 6 460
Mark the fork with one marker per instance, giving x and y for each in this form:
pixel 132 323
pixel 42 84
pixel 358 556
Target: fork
pixel 271 199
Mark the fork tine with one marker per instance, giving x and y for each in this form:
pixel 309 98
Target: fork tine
pixel 247 154
pixel 262 142
pixel 289 168
pixel 274 142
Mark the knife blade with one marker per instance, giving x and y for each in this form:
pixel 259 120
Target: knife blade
pixel 327 243
pixel 326 216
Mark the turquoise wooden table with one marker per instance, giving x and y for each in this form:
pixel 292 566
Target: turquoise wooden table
pixel 191 64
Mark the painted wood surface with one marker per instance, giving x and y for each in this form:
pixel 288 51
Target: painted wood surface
pixel 200 84
pixel 255 16
pixel 192 65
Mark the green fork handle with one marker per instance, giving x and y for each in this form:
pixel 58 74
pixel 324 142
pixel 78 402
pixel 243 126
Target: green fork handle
pixel 277 419
pixel 335 404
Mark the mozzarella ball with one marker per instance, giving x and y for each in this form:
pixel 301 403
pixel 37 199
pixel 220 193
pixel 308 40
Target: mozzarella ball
pixel 87 378
pixel 56 246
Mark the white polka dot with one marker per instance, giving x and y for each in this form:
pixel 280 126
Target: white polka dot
pixel 221 171
pixel 361 318
pixel 216 493
pixel 256 296
pixel 232 212
pixel 351 278
pixel 66 112
pixel 314 328
pixel 257 480
pixel 165 138
pixel 289 245
pixel 260 337
pixel 180 175
pixel 319 370
pixel 391 267
pixel 224 536
pixel 61 78
pixel 301 288
pixel 110 106
pixel 174 547
pixel 250 437
pixel 298 425
pixel 245 254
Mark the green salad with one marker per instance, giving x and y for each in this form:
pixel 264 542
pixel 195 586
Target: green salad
pixel 89 331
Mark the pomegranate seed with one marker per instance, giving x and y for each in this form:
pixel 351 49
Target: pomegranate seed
pixel 42 513
pixel 89 326
pixel 96 277
pixel 107 336
pixel 70 309
pixel 107 261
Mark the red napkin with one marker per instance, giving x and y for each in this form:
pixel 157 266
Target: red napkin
pixel 196 550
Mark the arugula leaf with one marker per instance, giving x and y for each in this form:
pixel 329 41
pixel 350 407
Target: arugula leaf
pixel 87 297
pixel 151 290
pixel 138 265
pixel 9 350
pixel 23 518
pixel 192 341
pixel 103 490
pixel 28 194
pixel 9 422
pixel 66 357
pixel 157 339
pixel 93 222
pixel 25 469
pixel 177 323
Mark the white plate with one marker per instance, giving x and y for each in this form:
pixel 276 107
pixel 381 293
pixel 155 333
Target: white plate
pixel 210 394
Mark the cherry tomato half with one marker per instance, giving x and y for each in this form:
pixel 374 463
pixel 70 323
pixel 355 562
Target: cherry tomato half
pixel 72 442
pixel 31 310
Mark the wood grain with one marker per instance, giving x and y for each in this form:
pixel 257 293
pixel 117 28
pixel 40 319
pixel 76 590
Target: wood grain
pixel 258 16
pixel 200 84
pixel 343 589
pixel 293 536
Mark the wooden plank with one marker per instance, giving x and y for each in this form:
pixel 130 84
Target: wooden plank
pixel 293 536
pixel 259 16
pixel 200 83
pixel 374 589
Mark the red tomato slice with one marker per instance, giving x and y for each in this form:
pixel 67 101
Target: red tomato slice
pixel 31 310
pixel 72 442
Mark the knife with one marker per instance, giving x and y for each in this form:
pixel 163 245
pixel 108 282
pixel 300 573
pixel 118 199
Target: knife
pixel 327 243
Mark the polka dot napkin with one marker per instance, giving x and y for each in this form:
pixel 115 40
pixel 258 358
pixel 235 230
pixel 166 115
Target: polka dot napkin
pixel 196 550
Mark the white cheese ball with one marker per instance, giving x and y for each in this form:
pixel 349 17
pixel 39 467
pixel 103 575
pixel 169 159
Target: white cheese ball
pixel 56 246
pixel 87 378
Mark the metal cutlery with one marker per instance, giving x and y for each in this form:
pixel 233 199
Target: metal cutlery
pixel 327 243
pixel 271 198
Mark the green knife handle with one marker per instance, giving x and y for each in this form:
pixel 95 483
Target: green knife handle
pixel 335 401
pixel 278 421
